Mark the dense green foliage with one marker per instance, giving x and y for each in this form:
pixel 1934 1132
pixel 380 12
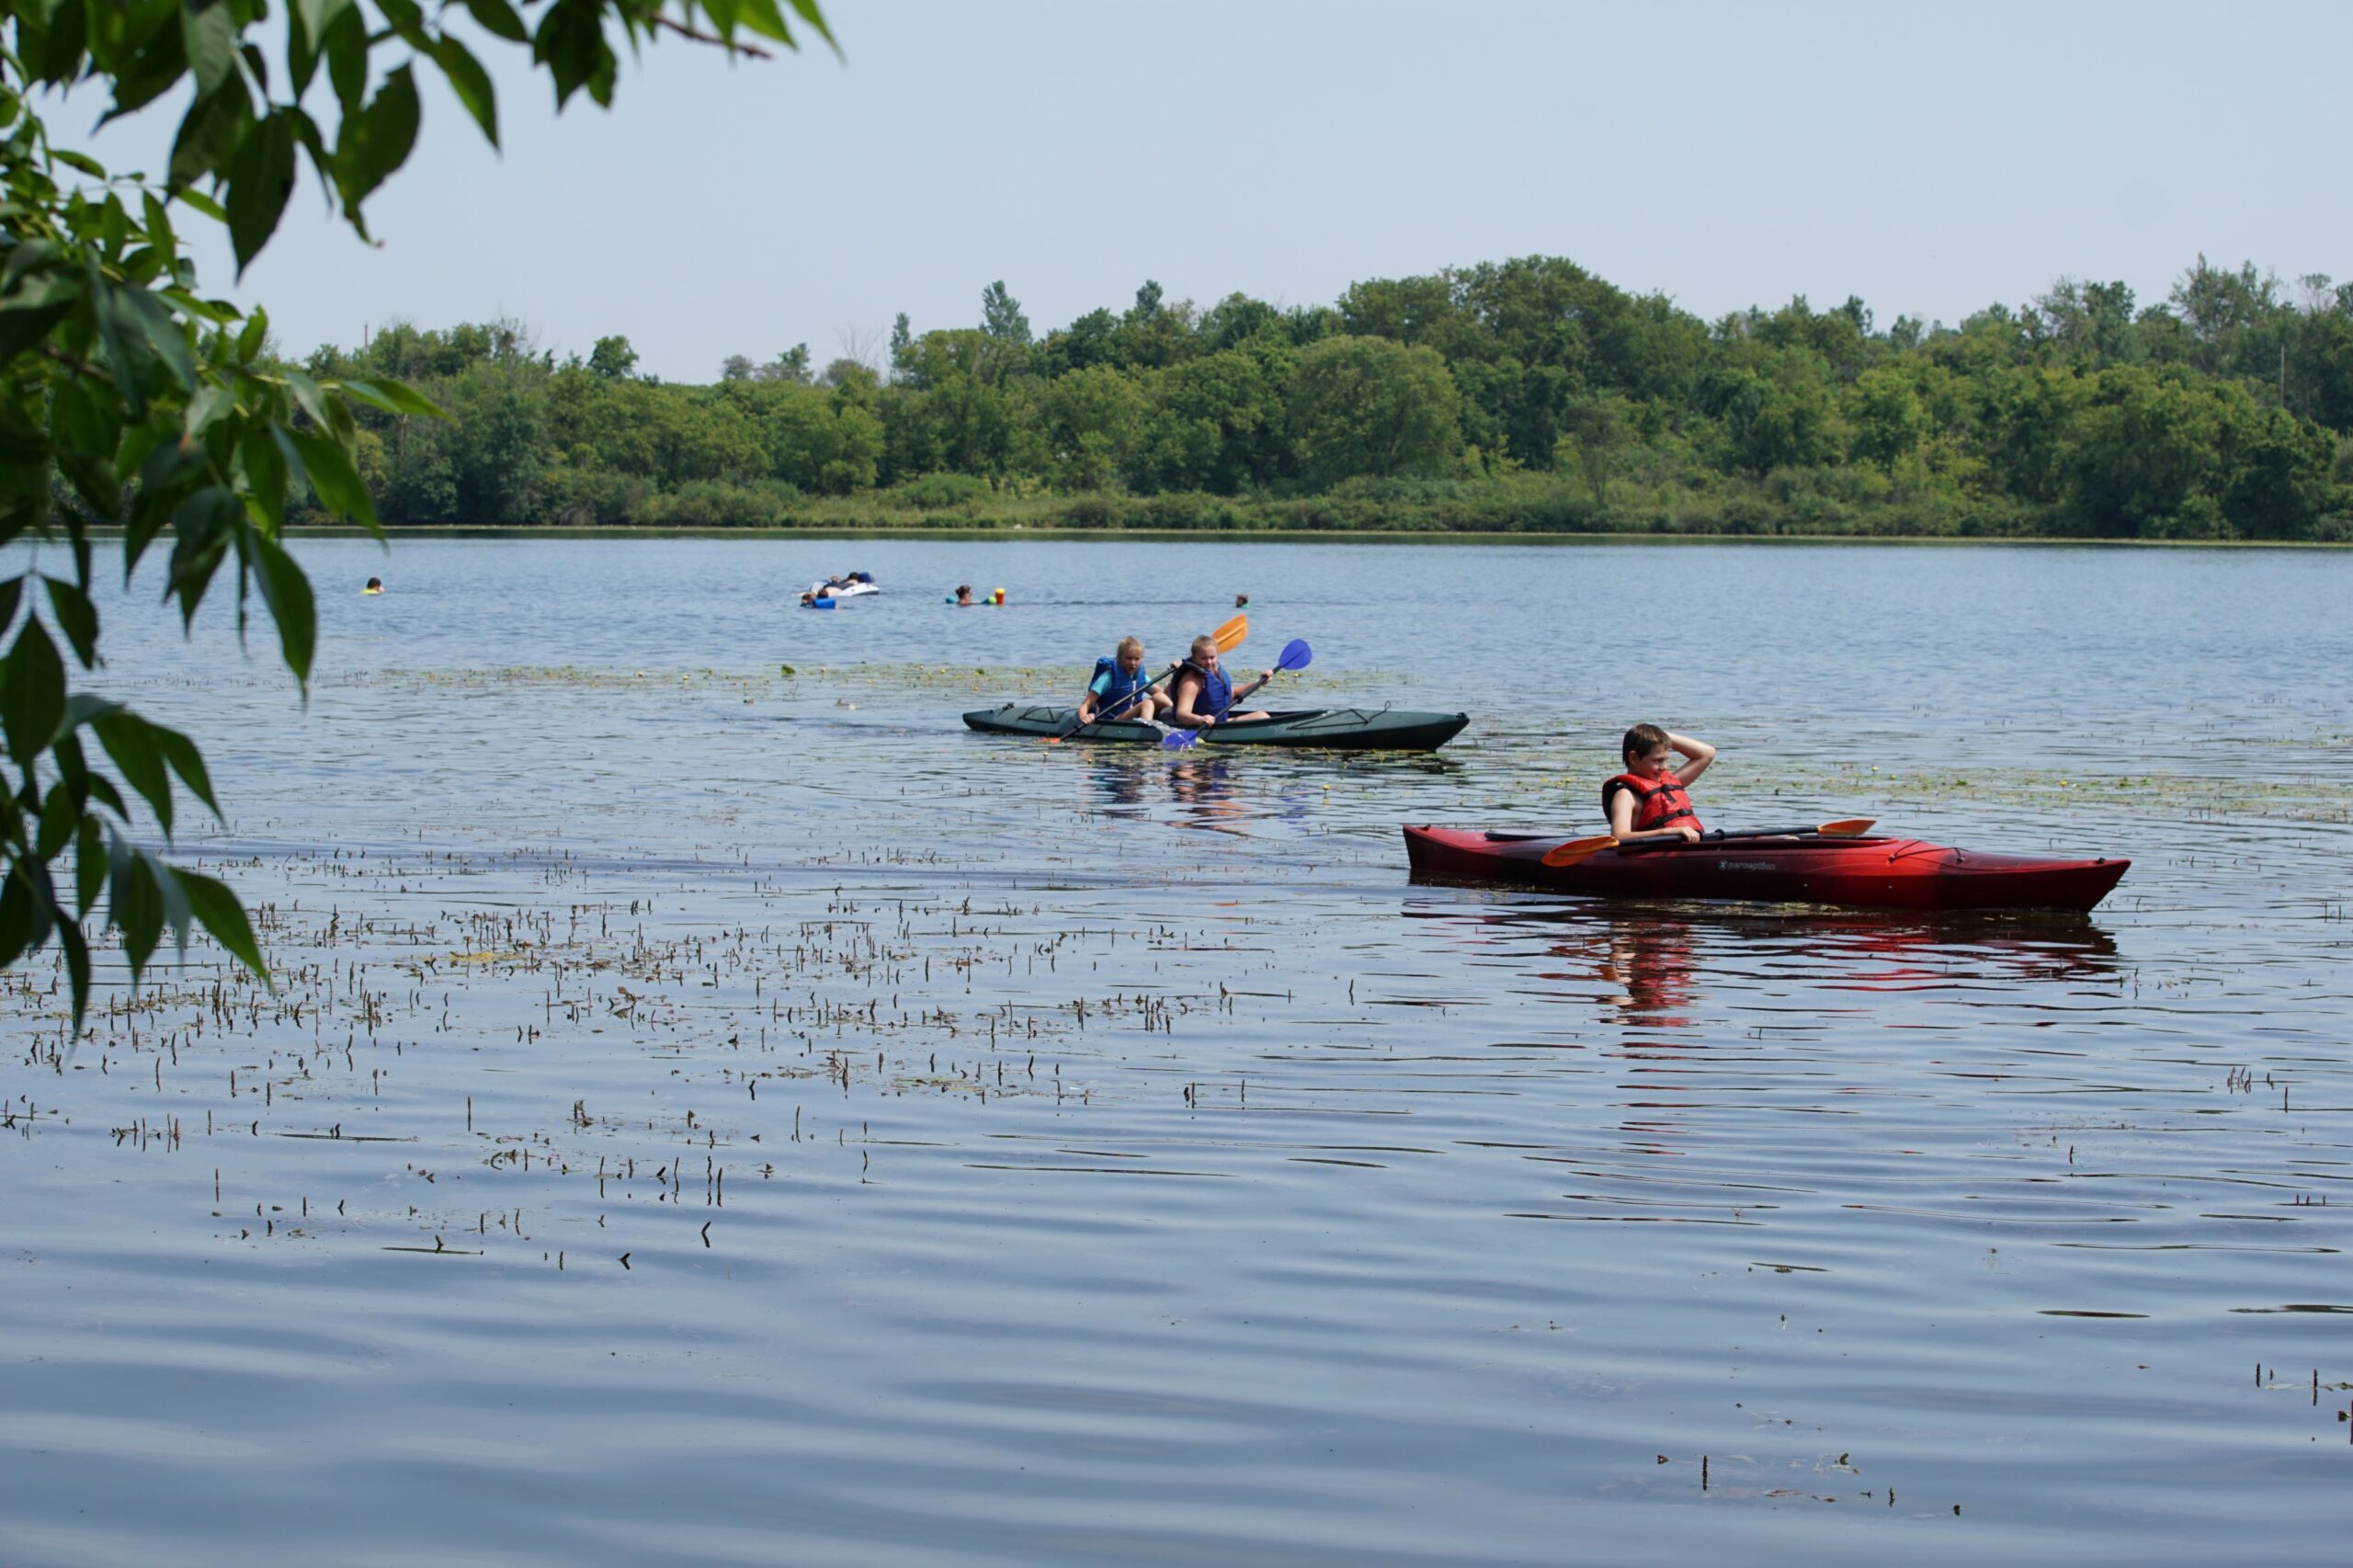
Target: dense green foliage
pixel 1524 396
pixel 129 397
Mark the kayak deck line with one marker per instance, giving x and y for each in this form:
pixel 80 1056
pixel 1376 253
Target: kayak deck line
pixel 1327 729
pixel 1880 872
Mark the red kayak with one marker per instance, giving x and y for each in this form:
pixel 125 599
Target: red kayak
pixel 1863 873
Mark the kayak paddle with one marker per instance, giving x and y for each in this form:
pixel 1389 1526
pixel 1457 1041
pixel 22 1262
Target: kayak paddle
pixel 1296 655
pixel 1228 637
pixel 1579 849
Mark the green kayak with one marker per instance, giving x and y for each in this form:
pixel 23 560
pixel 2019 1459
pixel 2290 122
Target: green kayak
pixel 1331 729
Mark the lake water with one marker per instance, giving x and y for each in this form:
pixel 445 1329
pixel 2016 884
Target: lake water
pixel 713 1116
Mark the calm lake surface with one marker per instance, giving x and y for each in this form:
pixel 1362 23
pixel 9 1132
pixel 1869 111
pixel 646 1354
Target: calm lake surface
pixel 709 1116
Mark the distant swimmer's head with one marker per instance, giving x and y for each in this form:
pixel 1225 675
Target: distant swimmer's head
pixel 1241 601
pixel 963 593
pixel 375 586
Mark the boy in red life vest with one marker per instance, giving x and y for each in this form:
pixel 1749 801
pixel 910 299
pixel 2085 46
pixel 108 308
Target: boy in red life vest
pixel 1651 800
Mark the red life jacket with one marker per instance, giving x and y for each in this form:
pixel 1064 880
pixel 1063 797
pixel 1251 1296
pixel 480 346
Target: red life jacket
pixel 1660 803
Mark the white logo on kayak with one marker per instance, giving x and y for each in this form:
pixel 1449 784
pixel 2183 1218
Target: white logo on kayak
pixel 1746 866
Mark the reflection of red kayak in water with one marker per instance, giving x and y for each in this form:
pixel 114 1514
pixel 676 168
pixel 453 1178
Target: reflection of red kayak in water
pixel 1864 873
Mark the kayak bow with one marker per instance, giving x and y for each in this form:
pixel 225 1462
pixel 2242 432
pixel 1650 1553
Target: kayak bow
pixel 1862 873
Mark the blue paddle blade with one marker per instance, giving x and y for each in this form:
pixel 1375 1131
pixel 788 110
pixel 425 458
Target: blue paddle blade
pixel 1296 655
pixel 1177 740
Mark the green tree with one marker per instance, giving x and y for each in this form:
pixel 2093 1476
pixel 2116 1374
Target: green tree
pixel 1001 316
pixel 128 395
pixel 1094 427
pixel 1367 406
pixel 613 359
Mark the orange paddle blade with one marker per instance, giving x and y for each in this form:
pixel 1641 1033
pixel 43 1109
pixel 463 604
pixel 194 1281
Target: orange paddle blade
pixel 1577 849
pixel 1232 635
pixel 1847 827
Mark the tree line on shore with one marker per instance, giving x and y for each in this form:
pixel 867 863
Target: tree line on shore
pixel 1526 395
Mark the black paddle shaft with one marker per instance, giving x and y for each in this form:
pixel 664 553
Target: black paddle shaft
pixel 1720 835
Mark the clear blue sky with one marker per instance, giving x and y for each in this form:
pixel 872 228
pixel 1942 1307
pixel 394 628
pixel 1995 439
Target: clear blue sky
pixel 1932 159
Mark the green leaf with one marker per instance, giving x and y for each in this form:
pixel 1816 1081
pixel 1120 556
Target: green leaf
pixel 394 397
pixel 306 393
pixel 471 82
pixel 21 326
pixel 214 402
pixel 90 866
pixel 346 40
pixel 498 18
pixel 130 742
pixel 80 161
pixel 26 914
pixel 333 477
pixel 163 333
pixel 81 708
pixel 306 38
pixel 252 336
pixel 152 72
pixel 133 901
pixel 128 353
pixel 259 182
pixel 807 12
pixel 287 592
pixel 571 44
pixel 208 136
pixel 58 821
pixel 77 618
pixel 77 967
pixel 219 913
pixel 199 201
pixel 32 693
pixel 201 521
pixel 270 457
pixel 376 139
pixel 176 913
pixel 59 58
pixel 188 763
pixel 209 34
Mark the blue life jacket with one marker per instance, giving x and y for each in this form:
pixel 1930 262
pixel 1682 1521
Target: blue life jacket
pixel 1217 691
pixel 1115 691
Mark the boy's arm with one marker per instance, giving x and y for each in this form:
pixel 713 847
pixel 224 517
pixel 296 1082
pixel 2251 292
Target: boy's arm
pixel 1697 755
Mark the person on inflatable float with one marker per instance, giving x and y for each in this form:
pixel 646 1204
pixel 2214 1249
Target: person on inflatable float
pixel 1205 695
pixel 1118 689
pixel 1651 800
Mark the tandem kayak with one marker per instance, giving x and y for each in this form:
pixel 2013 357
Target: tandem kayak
pixel 1332 729
pixel 1862 873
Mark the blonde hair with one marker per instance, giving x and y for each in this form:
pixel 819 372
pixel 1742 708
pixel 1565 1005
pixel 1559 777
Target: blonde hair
pixel 1204 644
pixel 1128 642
